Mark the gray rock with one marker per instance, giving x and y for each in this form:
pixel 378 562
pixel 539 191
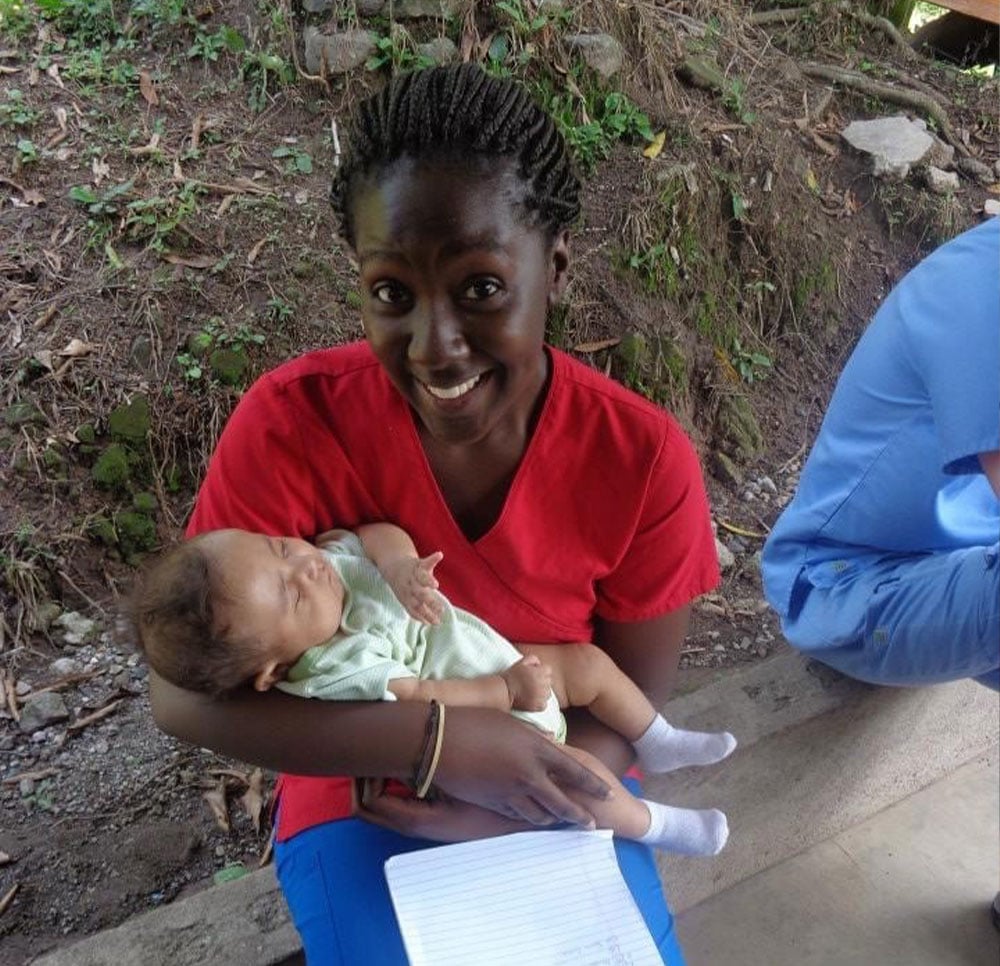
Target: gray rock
pixel 725 555
pixel 341 52
pixel 767 484
pixel 45 614
pixel 941 154
pixel 702 72
pixel 725 470
pixel 941 182
pixel 601 52
pixel 440 50
pixel 76 627
pixel 64 666
pixel 974 168
pixel 991 206
pixel 42 710
pixel 411 9
pixel 318 6
pixel 369 8
pixel 894 143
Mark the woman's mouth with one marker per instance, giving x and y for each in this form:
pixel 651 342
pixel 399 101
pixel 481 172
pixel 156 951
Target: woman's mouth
pixel 453 392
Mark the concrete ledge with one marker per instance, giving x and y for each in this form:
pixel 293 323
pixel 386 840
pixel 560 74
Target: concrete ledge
pixel 245 922
pixel 818 753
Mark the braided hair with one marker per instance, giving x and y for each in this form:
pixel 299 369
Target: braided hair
pixel 461 113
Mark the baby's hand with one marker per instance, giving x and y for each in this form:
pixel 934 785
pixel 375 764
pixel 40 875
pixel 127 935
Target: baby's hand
pixel 413 582
pixel 529 683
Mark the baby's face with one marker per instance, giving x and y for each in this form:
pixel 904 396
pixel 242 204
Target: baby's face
pixel 281 590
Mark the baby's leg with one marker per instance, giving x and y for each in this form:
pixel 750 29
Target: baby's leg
pixel 583 676
pixel 685 830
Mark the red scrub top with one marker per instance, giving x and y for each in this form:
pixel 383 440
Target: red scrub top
pixel 607 514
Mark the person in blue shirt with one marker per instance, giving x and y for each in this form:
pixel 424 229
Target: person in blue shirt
pixel 885 563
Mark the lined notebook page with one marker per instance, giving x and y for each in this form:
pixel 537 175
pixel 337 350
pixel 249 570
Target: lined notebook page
pixel 539 898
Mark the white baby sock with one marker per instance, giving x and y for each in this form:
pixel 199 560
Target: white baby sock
pixel 689 831
pixel 661 747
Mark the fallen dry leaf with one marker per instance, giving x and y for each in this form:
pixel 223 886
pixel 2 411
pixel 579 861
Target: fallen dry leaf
pixel 44 358
pixel 4 69
pixel 653 149
pixel 100 169
pixel 53 72
pixel 190 261
pixel 60 113
pixel 77 347
pixel 252 799
pixel 148 89
pixel 32 197
pixel 216 799
pixel 152 148
pixel 254 252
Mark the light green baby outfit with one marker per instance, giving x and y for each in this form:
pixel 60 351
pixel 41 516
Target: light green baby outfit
pixel 379 641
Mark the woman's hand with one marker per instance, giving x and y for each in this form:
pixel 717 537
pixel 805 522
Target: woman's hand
pixel 490 759
pixel 441 819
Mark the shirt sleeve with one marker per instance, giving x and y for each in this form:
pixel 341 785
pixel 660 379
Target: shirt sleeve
pixel 671 557
pixel 259 477
pixel 352 667
pixel 950 305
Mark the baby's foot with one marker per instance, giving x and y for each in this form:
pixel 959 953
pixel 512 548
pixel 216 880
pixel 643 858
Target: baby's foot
pixel 689 831
pixel 661 747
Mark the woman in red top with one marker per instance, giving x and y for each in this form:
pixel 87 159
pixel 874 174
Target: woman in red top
pixel 568 509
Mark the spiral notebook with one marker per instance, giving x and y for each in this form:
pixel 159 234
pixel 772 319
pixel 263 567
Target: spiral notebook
pixel 545 898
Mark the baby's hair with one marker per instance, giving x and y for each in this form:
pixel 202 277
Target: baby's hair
pixel 461 113
pixel 172 612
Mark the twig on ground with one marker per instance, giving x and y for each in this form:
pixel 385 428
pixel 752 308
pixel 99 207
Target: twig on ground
pixel 10 695
pixel 8 897
pixel 732 528
pixel 35 776
pixel 906 98
pixel 81 723
pixel 65 682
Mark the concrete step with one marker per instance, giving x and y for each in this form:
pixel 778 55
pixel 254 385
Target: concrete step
pixel 910 886
pixel 818 753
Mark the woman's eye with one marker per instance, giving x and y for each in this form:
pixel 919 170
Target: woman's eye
pixel 481 288
pixel 389 293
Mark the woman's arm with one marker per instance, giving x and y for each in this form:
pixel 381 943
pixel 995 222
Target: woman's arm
pixel 487 758
pixel 648 652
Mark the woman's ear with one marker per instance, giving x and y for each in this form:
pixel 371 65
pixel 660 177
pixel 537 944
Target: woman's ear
pixel 558 268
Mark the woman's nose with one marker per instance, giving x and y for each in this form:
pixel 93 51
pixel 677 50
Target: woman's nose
pixel 437 338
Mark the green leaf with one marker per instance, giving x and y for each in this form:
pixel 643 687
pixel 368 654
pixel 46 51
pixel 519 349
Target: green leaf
pixel 499 49
pixel 82 194
pixel 230 873
pixel 304 163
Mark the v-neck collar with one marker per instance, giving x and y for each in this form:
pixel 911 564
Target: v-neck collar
pixel 407 418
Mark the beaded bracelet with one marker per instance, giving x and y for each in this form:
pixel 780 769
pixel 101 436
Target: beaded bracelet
pixel 424 778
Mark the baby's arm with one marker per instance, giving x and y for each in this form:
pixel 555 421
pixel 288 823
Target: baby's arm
pixel 411 578
pixel 525 686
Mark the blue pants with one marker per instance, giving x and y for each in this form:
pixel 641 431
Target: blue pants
pixel 333 881
pixel 907 620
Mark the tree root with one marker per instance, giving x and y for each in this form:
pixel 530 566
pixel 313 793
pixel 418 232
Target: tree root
pixel 905 98
pixel 789 15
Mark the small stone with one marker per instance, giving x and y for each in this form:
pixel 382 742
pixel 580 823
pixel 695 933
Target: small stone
pixel 440 50
pixel 975 168
pixel 991 207
pixel 101 747
pixel 411 9
pixel 133 660
pixel 77 627
pixel 21 688
pixel 220 851
pixel 702 72
pixel 41 711
pixel 340 52
pixel 725 555
pixel 64 666
pixel 767 484
pixel 941 182
pixel 601 52
pixel 318 6
pixel 6 742
pixel 941 154
pixel 114 669
pixel 369 8
pixel 123 680
pixel 26 786
pixel 45 614
pixel 718 648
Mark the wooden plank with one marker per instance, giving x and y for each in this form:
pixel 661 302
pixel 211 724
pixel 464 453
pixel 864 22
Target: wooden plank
pixel 988 10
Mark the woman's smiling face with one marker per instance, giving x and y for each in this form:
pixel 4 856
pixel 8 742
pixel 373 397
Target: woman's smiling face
pixel 456 288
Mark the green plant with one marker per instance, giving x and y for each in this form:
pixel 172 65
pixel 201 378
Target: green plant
pixel 752 366
pixel 396 52
pixel 279 311
pixel 27 153
pixel 15 112
pixel 209 47
pixel 657 268
pixel 16 18
pixel 733 101
pixel 154 220
pixel 256 70
pixel 296 161
pixel 84 22
pixel 205 345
